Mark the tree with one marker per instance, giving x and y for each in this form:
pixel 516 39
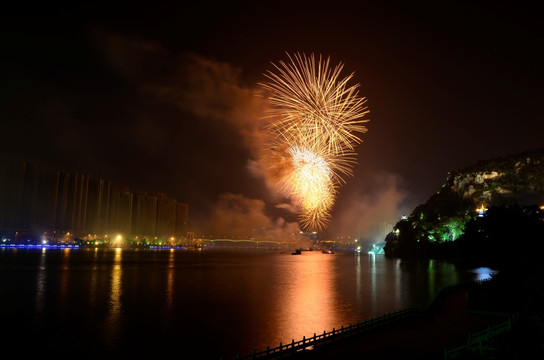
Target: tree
pixel 505 236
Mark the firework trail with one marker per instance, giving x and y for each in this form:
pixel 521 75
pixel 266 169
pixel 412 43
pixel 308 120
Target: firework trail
pixel 314 121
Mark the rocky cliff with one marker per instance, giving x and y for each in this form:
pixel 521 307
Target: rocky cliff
pixel 517 179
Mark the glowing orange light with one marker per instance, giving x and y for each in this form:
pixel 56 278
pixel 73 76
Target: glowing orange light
pixel 314 121
pixel 481 209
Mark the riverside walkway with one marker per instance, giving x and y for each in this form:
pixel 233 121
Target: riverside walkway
pixel 471 321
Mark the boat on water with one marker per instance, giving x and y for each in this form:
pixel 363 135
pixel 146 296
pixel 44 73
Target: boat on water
pixel 327 251
pixel 296 252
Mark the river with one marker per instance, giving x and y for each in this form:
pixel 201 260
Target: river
pixel 216 302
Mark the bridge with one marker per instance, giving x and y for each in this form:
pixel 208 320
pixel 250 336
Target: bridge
pixel 250 242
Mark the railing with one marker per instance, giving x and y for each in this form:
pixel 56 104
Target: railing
pixel 344 332
pixel 328 337
pixel 477 341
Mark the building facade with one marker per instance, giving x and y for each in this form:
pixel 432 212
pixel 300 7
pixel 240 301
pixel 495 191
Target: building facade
pixel 54 202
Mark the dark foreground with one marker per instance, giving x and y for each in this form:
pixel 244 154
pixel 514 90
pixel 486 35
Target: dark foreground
pixel 454 319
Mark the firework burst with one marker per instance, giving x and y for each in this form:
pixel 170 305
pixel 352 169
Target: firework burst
pixel 315 120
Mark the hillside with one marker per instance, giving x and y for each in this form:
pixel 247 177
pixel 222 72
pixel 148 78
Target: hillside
pixel 432 228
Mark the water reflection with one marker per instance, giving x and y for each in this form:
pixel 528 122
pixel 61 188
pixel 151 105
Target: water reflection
pixel 484 273
pixel 41 282
pixel 112 321
pixel 64 283
pixel 431 277
pixel 358 279
pixel 397 276
pixel 373 280
pixel 94 281
pixel 170 280
pixel 231 300
pixel 386 284
pixel 307 299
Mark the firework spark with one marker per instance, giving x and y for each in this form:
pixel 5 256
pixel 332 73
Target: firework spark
pixel 315 120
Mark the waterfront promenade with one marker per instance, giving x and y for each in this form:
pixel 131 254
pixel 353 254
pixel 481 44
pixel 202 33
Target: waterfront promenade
pixel 422 336
pixel 496 319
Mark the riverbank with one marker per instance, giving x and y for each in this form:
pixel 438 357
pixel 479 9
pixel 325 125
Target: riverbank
pixel 452 321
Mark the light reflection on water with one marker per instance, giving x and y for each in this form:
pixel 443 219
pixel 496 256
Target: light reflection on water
pixel 170 280
pixel 40 288
pixel 222 302
pixel 115 305
pixel 93 284
pixel 64 285
pixel 307 299
pixel 484 273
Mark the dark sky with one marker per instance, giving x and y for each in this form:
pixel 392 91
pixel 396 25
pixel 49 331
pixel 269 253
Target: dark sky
pixel 160 96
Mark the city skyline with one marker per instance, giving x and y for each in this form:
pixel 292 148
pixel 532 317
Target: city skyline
pixel 164 97
pixel 55 204
pixel 46 202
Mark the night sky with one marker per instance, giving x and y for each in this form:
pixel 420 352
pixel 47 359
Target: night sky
pixel 161 97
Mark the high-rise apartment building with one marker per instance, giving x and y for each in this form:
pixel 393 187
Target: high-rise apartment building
pixel 72 204
pixel 171 215
pixel 98 206
pixel 46 201
pixel 120 215
pixel 18 180
pixel 145 214
pixel 41 201
pixel 166 215
pixel 182 219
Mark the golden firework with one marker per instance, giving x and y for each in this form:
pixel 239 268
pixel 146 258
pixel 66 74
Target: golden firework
pixel 315 120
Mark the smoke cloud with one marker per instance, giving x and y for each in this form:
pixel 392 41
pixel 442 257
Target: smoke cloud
pixel 212 94
pixel 213 91
pixel 236 215
pixel 366 215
